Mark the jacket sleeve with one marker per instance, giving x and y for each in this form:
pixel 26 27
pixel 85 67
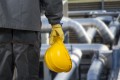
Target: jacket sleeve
pixel 53 10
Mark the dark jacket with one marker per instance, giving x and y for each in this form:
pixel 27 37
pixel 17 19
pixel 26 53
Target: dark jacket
pixel 25 14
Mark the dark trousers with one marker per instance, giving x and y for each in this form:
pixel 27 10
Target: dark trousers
pixel 19 49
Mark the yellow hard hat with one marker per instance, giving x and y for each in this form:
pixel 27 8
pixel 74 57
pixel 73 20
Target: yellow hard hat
pixel 57 57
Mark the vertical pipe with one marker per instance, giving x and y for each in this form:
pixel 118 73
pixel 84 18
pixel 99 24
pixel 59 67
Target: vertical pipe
pixel 47 75
pixel 97 65
pixel 102 4
pixel 95 70
pixel 118 76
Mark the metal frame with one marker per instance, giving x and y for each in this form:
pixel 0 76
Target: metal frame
pixel 77 50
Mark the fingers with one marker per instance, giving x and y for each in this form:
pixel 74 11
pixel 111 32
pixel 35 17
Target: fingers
pixel 55 33
pixel 52 37
pixel 60 34
pixel 51 40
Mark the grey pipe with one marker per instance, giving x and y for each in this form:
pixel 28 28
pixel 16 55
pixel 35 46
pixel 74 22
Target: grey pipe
pixel 118 76
pixel 91 33
pixel 105 18
pixel 114 25
pixel 76 58
pixel 69 24
pixel 81 46
pixel 86 48
pixel 95 70
pixel 102 27
pixel 86 11
pixel 97 65
pixel 91 13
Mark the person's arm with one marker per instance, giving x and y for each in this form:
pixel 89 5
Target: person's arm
pixel 54 13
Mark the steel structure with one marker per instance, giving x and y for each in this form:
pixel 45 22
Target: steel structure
pixel 102 53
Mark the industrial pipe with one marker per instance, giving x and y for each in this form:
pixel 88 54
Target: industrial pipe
pixel 91 33
pixel 97 65
pixel 93 74
pixel 102 27
pixel 118 76
pixel 88 48
pixel 81 46
pixel 115 64
pixel 76 58
pixel 113 23
pixel 106 19
pixel 69 24
pixel 92 13
pixel 85 48
pixel 114 27
pixel 87 11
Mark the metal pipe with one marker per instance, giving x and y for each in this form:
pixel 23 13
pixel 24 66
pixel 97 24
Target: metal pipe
pixel 91 33
pixel 76 55
pixel 95 70
pixel 114 25
pixel 91 13
pixel 97 65
pixel 115 64
pixel 69 24
pixel 119 41
pixel 76 62
pixel 82 47
pixel 103 28
pixel 85 48
pixel 102 4
pixel 105 19
pixel 118 75
pixel 86 11
pixel 76 58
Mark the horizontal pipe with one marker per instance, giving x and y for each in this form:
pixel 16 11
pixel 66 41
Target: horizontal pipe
pixel 76 58
pixel 87 11
pixel 85 48
pixel 107 19
pixel 69 24
pixel 102 27
pixel 92 13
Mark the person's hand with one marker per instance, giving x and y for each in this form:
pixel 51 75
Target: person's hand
pixel 56 32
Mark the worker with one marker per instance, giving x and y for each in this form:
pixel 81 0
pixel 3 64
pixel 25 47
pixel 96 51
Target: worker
pixel 20 40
